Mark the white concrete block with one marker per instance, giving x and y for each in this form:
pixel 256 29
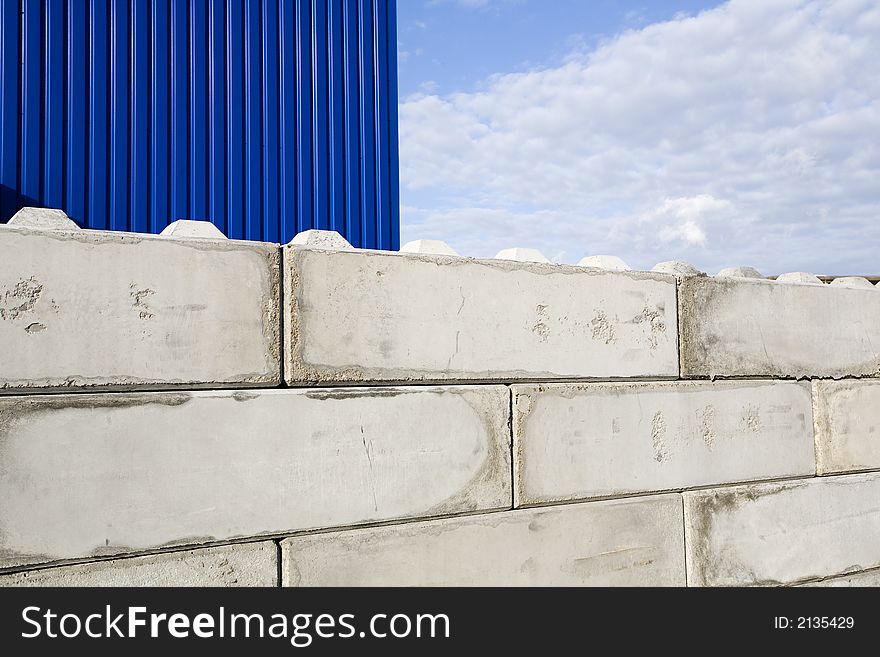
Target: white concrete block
pixel 577 441
pixel 92 475
pixel 868 578
pixel 677 268
pixel 245 564
pixel 521 255
pixel 371 316
pixel 434 247
pixel 88 309
pixel 634 542
pixel 609 262
pixel 41 219
pixel 847 418
pixel 856 282
pixel 802 277
pixel 740 272
pixel 738 327
pixel 187 229
pixel 782 533
pixel 321 239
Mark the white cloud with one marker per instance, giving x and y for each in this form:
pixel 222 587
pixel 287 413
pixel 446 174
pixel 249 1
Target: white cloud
pixel 747 135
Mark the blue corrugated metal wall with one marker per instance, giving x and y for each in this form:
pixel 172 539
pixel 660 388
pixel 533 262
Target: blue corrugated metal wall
pixel 267 117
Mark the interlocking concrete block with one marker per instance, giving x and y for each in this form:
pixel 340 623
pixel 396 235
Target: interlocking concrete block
pixel 782 533
pixel 322 239
pixel 189 229
pixel 869 578
pixel 92 475
pixel 857 282
pixel 739 327
pixel 677 267
pixel 799 277
pixel 42 219
pixel 247 564
pixel 435 247
pixel 610 262
pixel 633 542
pixel 847 419
pixel 88 309
pixel 520 254
pixel 371 316
pixel 740 272
pixel 577 441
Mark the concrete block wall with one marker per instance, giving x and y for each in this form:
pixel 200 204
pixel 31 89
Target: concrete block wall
pixel 187 410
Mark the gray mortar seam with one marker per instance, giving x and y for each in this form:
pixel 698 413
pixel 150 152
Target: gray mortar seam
pixel 245 540
pixel 684 543
pixel 282 354
pixel 512 447
pixel 207 387
pixel 277 537
pixel 672 491
pixel 401 383
pixel 831 578
pixel 279 568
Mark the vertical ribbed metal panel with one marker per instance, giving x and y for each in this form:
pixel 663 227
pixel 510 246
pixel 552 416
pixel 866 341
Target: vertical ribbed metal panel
pixel 268 117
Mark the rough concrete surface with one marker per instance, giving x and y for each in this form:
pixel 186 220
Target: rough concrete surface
pixel 633 542
pixel 739 327
pixel 86 309
pixel 42 219
pixel 247 564
pixel 371 316
pixel 576 441
pixel 92 475
pixel 782 533
pixel 847 419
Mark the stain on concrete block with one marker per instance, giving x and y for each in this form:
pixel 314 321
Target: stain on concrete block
pixel 369 316
pixel 782 533
pixel 633 542
pixel 99 475
pixel 246 564
pixel 88 309
pixel 737 327
pixel 577 441
pixel 847 419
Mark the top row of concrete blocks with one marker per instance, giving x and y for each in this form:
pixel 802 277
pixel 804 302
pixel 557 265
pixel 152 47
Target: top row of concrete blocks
pixel 366 316
pixel 743 328
pixel 83 309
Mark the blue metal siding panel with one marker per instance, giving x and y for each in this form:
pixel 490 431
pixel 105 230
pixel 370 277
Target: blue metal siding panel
pixel 217 106
pixel 77 112
pixel 160 119
pixel 9 109
pixel 99 117
pixel 31 103
pixel 267 117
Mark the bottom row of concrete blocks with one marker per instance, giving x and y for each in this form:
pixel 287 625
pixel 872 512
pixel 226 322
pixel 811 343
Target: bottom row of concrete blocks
pixel 790 532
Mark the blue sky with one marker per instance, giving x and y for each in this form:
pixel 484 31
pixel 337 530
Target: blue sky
pixel 723 133
pixel 453 45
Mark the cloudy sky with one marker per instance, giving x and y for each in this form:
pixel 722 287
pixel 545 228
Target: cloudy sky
pixel 736 133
